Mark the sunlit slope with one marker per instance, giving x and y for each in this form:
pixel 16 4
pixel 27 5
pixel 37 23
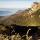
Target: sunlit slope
pixel 28 17
pixel 23 19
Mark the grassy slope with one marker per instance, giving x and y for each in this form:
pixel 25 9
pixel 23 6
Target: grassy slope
pixel 23 18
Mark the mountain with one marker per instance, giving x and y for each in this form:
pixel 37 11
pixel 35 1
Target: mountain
pixel 27 17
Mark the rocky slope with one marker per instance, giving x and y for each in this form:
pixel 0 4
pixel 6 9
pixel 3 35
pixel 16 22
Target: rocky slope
pixel 28 17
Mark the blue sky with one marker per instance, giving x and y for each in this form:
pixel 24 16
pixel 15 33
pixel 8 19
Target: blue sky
pixel 16 3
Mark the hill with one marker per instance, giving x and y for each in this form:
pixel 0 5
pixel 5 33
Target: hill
pixel 28 17
pixel 22 18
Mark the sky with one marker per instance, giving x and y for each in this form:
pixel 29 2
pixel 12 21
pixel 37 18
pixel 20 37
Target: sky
pixel 14 6
pixel 17 3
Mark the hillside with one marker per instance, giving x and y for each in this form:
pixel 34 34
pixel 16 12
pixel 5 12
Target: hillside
pixel 17 24
pixel 28 17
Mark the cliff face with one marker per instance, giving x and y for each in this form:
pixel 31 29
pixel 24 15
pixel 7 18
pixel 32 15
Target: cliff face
pixel 28 17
